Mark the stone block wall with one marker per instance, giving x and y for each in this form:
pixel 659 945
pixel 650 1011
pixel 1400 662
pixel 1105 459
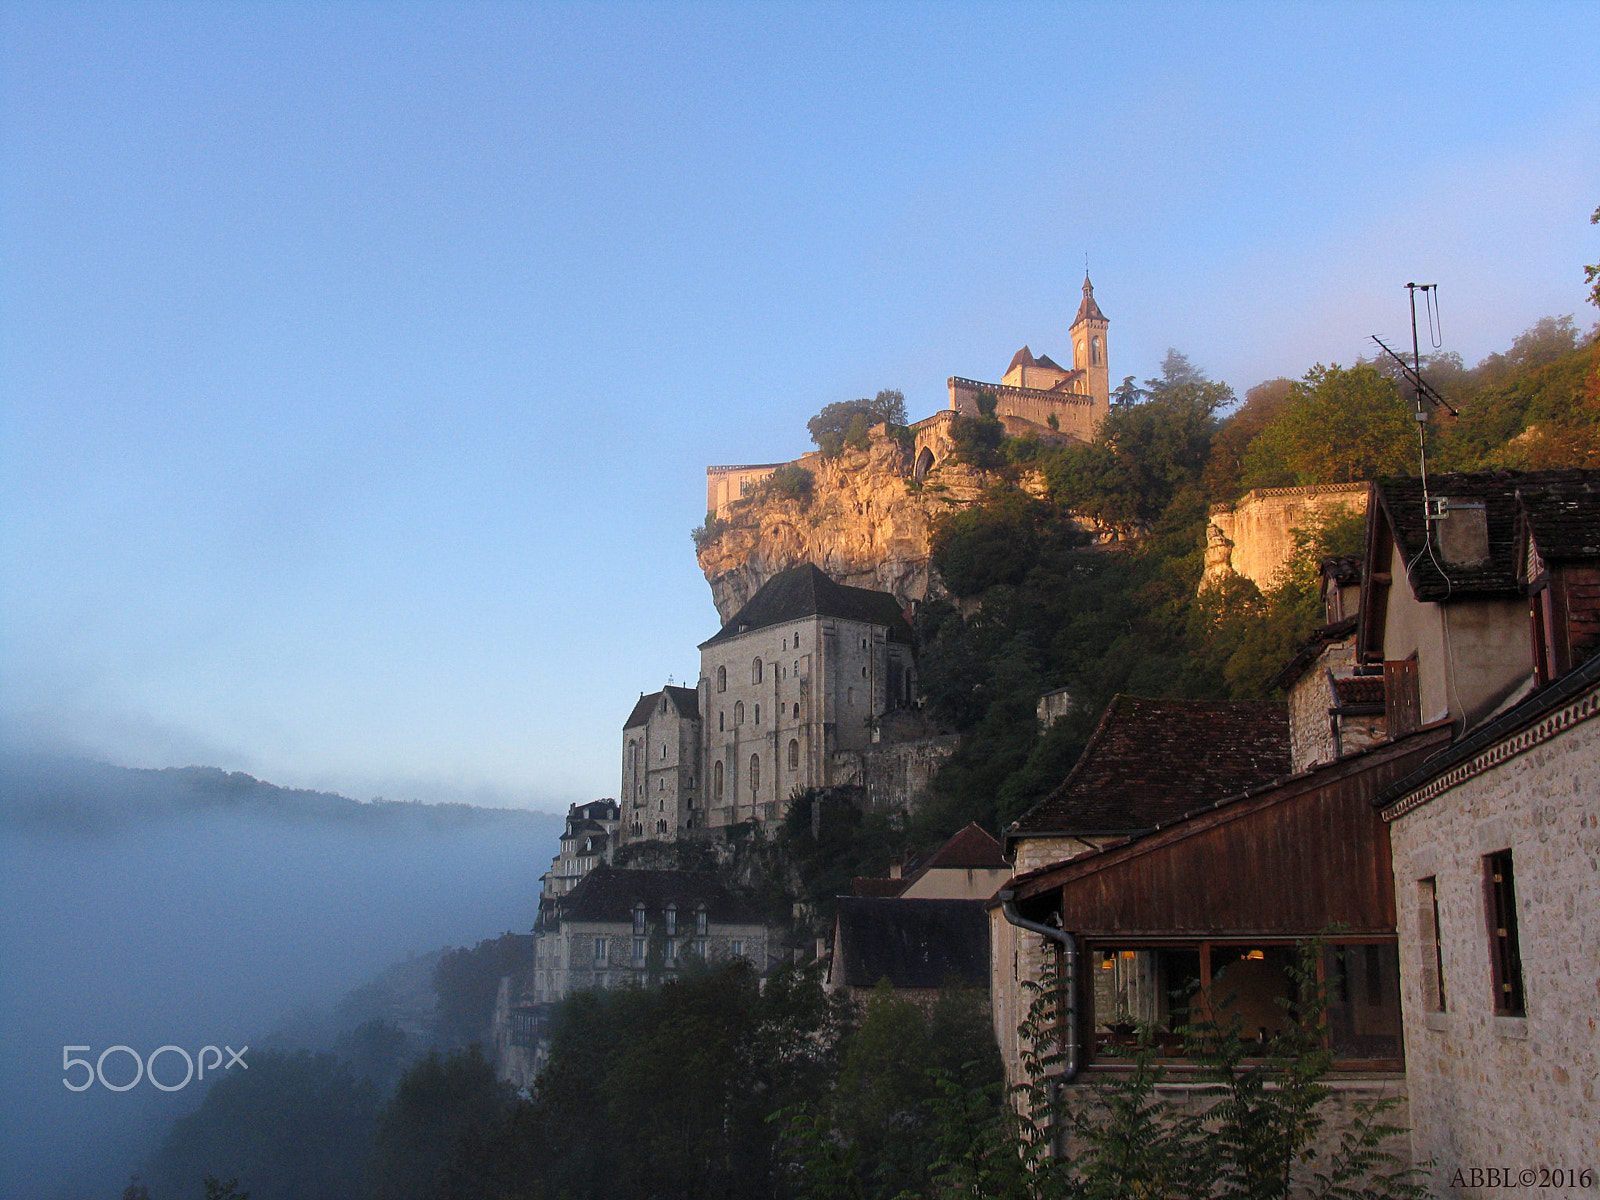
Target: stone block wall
pixel 1257 531
pixel 1489 1090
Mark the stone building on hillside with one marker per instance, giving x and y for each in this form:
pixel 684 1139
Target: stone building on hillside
pixel 586 842
pixel 1482 608
pixel 1253 537
pixel 621 927
pixel 810 684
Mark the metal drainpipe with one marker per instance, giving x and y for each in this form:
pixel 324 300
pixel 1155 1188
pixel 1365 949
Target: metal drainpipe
pixel 1069 947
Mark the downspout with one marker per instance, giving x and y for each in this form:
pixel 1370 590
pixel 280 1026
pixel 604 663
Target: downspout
pixel 1069 951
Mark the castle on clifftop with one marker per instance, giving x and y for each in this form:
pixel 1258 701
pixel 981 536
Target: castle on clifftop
pixel 1034 395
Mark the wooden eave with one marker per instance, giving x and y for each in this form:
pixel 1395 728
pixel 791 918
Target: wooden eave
pixel 1287 860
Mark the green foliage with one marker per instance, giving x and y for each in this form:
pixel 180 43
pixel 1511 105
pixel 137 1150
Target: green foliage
pixel 704 534
pixel 790 482
pixel 1591 274
pixel 1337 425
pixel 997 542
pixel 467 980
pixel 977 441
pixel 294 1125
pixel 440 1103
pixel 1143 456
pixel 846 422
pixel 988 403
pixel 1224 473
pixel 827 840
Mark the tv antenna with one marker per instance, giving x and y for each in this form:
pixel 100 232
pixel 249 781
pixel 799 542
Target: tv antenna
pixel 1413 370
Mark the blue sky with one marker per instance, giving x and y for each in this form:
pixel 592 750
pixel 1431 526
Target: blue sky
pixel 359 363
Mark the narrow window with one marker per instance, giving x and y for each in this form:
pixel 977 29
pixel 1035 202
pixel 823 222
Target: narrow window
pixel 755 671
pixel 797 712
pixel 738 712
pixel 721 723
pixel 638 950
pixel 672 954
pixel 758 714
pixel 716 781
pixel 849 695
pixel 663 749
pixel 794 754
pixel 755 774
pixel 600 952
pixel 1504 957
pixel 1432 953
pixel 722 679
pixel 638 918
pixel 700 920
pixel 672 920
pixel 736 948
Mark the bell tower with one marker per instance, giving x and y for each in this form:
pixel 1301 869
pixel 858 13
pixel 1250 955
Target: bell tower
pixel 1089 347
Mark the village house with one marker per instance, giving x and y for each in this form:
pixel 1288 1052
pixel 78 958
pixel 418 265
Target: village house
pixel 1483 611
pixel 586 842
pixel 917 946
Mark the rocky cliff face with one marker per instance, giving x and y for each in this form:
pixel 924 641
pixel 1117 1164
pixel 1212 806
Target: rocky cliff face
pixel 866 524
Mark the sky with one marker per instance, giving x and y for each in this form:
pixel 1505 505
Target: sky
pixel 360 363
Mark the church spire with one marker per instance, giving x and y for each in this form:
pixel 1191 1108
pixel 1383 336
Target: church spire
pixel 1088 310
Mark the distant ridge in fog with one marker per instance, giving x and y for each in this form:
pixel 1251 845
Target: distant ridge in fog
pixel 42 794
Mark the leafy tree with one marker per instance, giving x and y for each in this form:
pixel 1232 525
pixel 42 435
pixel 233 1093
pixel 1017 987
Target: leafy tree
pixel 1143 455
pixel 790 482
pixel 1591 275
pixel 467 981
pixel 297 1126
pixel 439 1102
pixel 1224 471
pixel 1176 372
pixel 836 425
pixel 1337 426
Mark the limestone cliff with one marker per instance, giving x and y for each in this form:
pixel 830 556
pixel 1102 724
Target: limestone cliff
pixel 866 523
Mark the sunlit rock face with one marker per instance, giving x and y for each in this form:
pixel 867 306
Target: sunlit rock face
pixel 867 523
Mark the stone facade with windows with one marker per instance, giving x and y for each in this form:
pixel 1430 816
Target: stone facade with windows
pixel 794 693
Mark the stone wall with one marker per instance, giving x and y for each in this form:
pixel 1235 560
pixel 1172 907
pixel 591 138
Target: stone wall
pixel 1075 414
pixel 1254 536
pixel 897 776
pixel 1491 1090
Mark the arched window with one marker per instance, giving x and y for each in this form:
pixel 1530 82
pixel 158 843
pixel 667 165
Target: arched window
pixel 1094 350
pixel 924 464
pixel 796 712
pixel 716 781
pixel 755 671
pixel 738 712
pixel 794 754
pixel 755 774
pixel 633 755
pixel 722 679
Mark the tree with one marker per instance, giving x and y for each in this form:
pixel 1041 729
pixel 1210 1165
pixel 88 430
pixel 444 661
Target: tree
pixel 1224 471
pixel 1338 426
pixel 1591 275
pixel 439 1102
pixel 837 425
pixel 1176 372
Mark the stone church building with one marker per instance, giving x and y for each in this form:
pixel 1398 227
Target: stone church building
pixel 807 685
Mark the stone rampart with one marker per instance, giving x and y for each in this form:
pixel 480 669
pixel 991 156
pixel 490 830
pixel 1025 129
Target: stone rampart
pixel 1254 536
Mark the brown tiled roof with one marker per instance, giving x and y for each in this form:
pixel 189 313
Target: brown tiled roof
pixel 1564 519
pixel 1359 689
pixel 1344 569
pixel 1289 674
pixel 1022 358
pixel 1151 761
pixel 1088 310
pixel 610 893
pixel 877 887
pixel 972 848
pixel 912 943
pixel 1044 360
pixel 685 700
pixel 1433 579
pixel 805 591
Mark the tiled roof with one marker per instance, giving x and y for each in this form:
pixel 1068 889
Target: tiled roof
pixel 805 591
pixel 685 700
pixel 1151 761
pixel 972 848
pixel 1289 674
pixel 1359 689
pixel 1434 579
pixel 1344 569
pixel 1044 360
pixel 912 943
pixel 1022 358
pixel 1088 310
pixel 1564 519
pixel 877 887
pixel 610 893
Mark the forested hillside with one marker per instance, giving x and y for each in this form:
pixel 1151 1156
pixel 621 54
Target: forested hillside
pixel 1034 606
